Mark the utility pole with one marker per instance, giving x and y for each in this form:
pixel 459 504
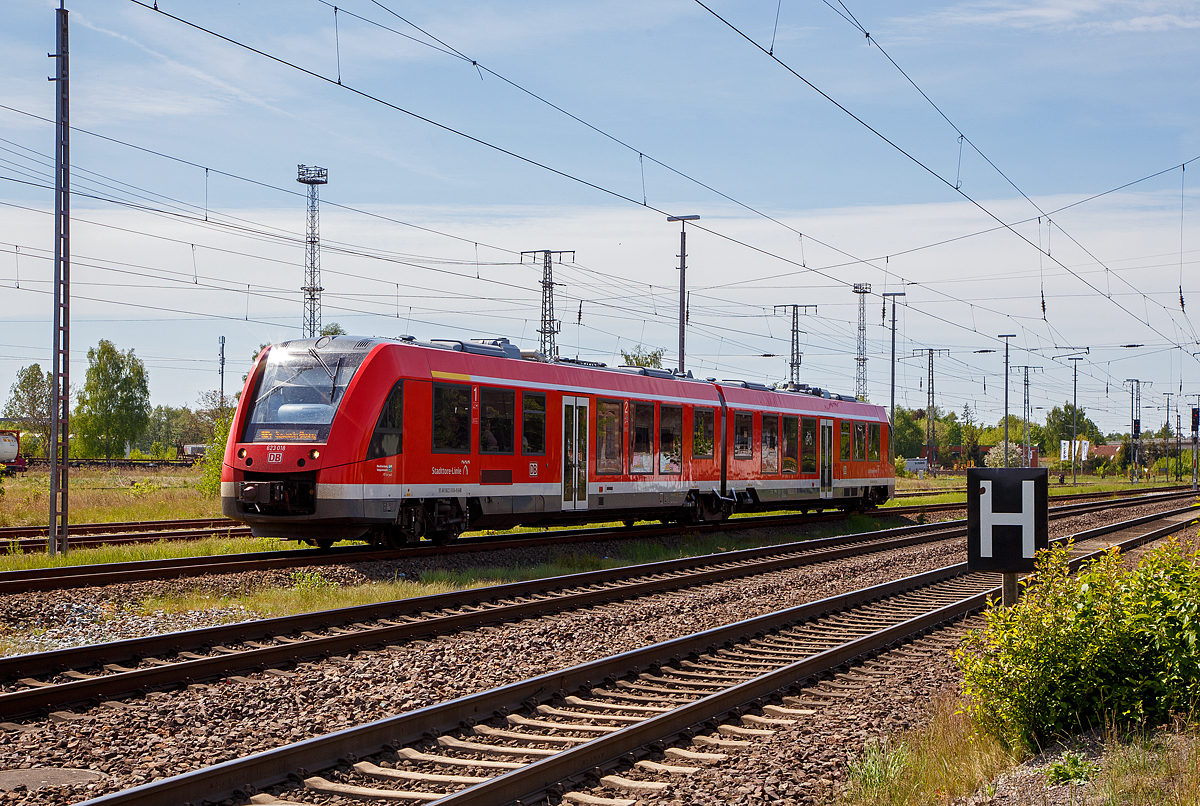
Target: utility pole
pixel 1195 411
pixel 1006 337
pixel 550 326
pixel 892 421
pixel 1074 412
pixel 1026 416
pixel 1135 427
pixel 930 408
pixel 60 394
pixel 1167 395
pixel 860 373
pixel 314 177
pixel 682 219
pixel 222 365
pixel 794 363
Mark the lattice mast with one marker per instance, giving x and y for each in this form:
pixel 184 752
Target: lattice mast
pixel 860 375
pixel 550 325
pixel 796 356
pixel 60 394
pixel 314 177
pixel 931 407
pixel 1026 417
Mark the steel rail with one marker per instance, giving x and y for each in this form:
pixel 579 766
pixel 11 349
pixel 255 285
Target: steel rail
pixel 736 563
pixel 578 590
pixel 244 776
pixel 198 528
pixel 40 579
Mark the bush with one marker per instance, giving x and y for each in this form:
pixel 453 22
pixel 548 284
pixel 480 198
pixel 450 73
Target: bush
pixel 1108 644
pixel 214 455
pixel 901 467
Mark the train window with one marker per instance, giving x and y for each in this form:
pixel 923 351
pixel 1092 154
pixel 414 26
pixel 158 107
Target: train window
pixel 533 424
pixel 670 439
pixel 702 433
pixel 451 418
pixel 388 439
pixel 770 443
pixel 845 442
pixel 808 445
pixel 497 420
pixel 743 435
pixel 641 438
pixel 860 441
pixel 791 445
pixel 873 442
pixel 608 437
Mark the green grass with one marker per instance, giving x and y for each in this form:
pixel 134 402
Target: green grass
pixel 106 496
pixel 305 595
pixel 309 592
pixel 133 552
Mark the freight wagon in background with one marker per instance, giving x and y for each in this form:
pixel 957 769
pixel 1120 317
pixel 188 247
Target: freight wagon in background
pixel 390 441
pixel 11 460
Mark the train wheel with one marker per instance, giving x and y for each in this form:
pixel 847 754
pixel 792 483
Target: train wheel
pixel 629 523
pixel 325 543
pixel 442 536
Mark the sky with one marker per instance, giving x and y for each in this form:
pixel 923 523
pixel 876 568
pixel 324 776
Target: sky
pixel 1012 167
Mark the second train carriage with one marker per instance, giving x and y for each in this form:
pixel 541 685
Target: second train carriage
pixel 343 437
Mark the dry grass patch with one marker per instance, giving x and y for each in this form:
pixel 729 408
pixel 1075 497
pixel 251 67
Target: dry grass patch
pixel 134 552
pixel 310 591
pixel 937 763
pixel 106 496
pixel 1145 770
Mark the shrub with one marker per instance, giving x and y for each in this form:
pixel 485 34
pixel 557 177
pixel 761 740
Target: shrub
pixel 214 455
pixel 1076 651
pixel 901 467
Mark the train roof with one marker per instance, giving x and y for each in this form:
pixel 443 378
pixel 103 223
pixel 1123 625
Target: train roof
pixel 475 361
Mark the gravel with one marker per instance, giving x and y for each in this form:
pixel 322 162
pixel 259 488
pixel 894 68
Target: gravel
pixel 166 734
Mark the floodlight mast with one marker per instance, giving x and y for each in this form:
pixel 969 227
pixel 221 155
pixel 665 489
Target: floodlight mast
pixel 314 177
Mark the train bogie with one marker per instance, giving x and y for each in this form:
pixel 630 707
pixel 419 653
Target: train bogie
pixel 394 441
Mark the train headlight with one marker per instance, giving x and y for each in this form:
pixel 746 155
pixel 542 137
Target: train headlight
pixel 242 453
pixel 314 454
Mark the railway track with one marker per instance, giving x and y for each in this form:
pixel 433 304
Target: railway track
pixel 631 722
pixel 32 539
pixel 37 684
pixel 76 576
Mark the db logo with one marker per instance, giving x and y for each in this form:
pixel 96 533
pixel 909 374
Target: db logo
pixel 275 457
pixel 533 468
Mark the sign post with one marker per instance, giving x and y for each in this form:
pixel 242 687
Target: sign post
pixel 1007 522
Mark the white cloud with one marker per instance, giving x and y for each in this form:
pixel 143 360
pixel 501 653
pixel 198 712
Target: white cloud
pixel 1102 16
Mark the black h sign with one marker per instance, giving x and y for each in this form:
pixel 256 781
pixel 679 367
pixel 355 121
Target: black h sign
pixel 1007 517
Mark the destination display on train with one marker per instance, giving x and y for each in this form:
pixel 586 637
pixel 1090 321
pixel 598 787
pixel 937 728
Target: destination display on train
pixel 285 435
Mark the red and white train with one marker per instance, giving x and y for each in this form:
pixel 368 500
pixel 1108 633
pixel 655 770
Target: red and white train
pixel 393 440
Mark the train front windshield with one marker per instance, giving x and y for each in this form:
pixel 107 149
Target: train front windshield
pixel 298 393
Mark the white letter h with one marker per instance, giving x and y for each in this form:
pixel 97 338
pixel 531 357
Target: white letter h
pixel 988 518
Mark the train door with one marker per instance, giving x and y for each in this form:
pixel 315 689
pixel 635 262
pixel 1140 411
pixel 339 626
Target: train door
pixel 575 459
pixel 827 458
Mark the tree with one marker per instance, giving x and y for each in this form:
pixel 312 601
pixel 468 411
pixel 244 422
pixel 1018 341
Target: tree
pixel 1058 427
pixel 908 432
pixel 970 436
pixel 169 427
pixel 114 406
pixel 995 457
pixel 29 398
pixel 333 329
pixel 641 356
